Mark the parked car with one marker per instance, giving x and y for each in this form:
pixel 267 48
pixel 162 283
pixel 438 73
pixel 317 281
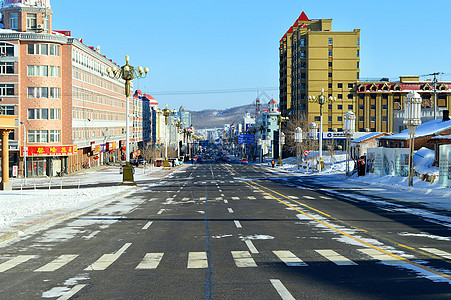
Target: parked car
pixel 244 161
pixel 158 162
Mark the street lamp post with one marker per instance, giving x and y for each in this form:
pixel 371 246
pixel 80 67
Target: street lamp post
pixel 281 143
pixel 412 118
pixel 127 73
pixel 166 113
pixel 268 143
pixel 321 100
pixel 349 129
pixel 177 124
pixel 260 149
pixel 298 140
pixel 25 152
pixel 313 132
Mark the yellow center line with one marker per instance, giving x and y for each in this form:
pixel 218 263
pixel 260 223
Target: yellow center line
pixel 254 185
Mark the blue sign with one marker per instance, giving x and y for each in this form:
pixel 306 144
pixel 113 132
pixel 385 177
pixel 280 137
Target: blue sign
pixel 246 138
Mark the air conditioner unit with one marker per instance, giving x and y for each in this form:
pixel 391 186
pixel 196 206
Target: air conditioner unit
pixel 40 26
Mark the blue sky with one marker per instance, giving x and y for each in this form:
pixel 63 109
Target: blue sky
pixel 193 47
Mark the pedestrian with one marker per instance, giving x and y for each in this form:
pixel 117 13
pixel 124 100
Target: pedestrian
pixel 273 163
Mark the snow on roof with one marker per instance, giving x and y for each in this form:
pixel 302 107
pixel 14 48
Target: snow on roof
pixel 425 129
pixel 23 3
pixel 442 137
pixel 7 31
pixel 366 137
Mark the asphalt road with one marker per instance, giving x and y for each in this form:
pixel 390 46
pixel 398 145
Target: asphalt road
pixel 231 231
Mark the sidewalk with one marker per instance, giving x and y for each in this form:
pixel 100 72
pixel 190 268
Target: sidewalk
pixel 36 205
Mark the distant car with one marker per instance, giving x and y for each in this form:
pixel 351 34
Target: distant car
pixel 134 162
pixel 244 161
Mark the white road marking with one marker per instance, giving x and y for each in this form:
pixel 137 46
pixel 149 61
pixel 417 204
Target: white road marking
pixel 147 225
pixel 218 198
pixel 203 198
pixel 382 256
pixel 150 261
pixel 293 197
pixel 289 258
pixel 226 201
pixel 243 259
pixel 238 224
pixel 251 197
pixel 107 259
pixel 57 263
pixel 251 246
pixel 161 211
pixel 437 252
pixel 14 262
pixel 235 198
pixel 219 190
pixel 185 199
pixel 153 199
pixel 267 197
pixel 324 197
pixel 197 260
pixel 336 258
pixel 282 290
pixel 222 195
pixel 230 210
pixel 72 292
pixel 309 197
pixel 169 199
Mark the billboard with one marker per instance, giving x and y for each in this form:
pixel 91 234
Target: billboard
pixel 246 138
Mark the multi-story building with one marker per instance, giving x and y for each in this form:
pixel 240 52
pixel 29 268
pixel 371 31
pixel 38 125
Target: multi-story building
pixel 266 126
pixel 70 112
pixel 379 104
pixel 184 116
pixel 144 120
pixel 312 58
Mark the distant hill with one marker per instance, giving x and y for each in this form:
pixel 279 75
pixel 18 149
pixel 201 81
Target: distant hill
pixel 210 118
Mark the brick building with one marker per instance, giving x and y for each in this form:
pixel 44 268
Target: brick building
pixel 70 113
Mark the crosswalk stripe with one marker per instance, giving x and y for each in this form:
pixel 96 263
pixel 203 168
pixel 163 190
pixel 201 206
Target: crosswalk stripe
pixel 385 258
pixel 281 289
pixel 150 261
pixel 107 259
pixel 218 198
pixel 147 225
pixel 267 197
pixel 289 258
pixel 197 260
pixel 203 198
pixel 309 197
pixel 14 262
pixel 169 199
pixel 336 258
pixel 235 198
pixel 185 199
pixel 243 259
pixel 251 197
pixel 237 224
pixel 57 263
pixel 293 197
pixel 153 199
pixel 437 252
pixel 226 201
pixel 230 210
pixel 324 197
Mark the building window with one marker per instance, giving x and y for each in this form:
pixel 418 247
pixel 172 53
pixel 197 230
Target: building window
pixel 303 106
pixel 331 41
pixel 54 93
pixel 302 76
pixel 7 110
pixel 340 119
pixel 361 118
pixel 384 119
pixel 373 119
pixel 6 89
pixel 38 113
pixel 6 49
pixel 330 64
pixel 37 136
pixel 302 42
pixel 358 75
pixel 339 96
pixel 317 118
pixel 31 22
pixel 329 85
pixel 361 106
pixel 358 65
pixel 358 53
pixel 302 86
pixel 350 96
pixel 54 71
pixel 330 53
pixel 329 118
pixel 54 50
pixel 303 65
pixel 350 107
pixel 330 75
pixel 54 136
pixel 340 85
pixel 38 71
pixel 329 106
pixel 350 85
pixel 340 107
pixel 14 21
pixel 358 42
pixel 302 54
pixel 385 107
pixel 54 114
pixel 373 107
pixel 6 68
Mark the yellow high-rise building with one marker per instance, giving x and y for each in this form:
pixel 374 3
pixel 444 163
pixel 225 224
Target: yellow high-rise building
pixel 313 57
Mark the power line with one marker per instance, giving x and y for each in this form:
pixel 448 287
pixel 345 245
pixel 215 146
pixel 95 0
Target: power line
pixel 219 91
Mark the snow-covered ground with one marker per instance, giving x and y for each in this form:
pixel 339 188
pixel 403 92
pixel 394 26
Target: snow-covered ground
pixel 36 202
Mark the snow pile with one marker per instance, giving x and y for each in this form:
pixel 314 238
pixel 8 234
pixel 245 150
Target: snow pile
pixel 423 160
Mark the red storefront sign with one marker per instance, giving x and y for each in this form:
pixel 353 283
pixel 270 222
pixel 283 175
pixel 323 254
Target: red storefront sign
pixel 48 150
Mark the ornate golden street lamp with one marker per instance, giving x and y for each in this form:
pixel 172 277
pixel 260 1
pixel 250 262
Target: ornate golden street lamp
pixel 412 119
pixel 127 73
pixel 166 113
pixel 321 100
pixel 349 129
pixel 177 125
